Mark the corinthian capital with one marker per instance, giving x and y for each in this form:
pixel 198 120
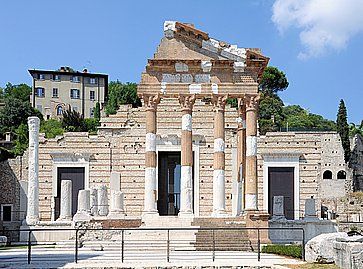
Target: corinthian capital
pixel 219 102
pixel 151 101
pixel 252 102
pixel 187 101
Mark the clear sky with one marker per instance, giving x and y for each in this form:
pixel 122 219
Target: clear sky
pixel 317 43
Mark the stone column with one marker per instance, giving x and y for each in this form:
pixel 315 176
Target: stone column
pixel 219 194
pixel 94 202
pixel 66 201
pixel 150 102
pixel 117 205
pixel 83 206
pixel 186 174
pixel 102 201
pixel 251 153
pixel 241 151
pixel 32 216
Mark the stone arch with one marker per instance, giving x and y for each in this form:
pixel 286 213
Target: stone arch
pixel 341 174
pixel 59 110
pixel 327 174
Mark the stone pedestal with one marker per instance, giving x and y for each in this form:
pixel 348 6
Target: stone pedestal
pixel 83 209
pixel 310 211
pixel 117 205
pixel 102 201
pixel 278 208
pixel 32 216
pixel 94 202
pixel 66 201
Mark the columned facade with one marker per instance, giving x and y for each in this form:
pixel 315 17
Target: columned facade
pixel 150 103
pixel 219 195
pixel 251 153
pixel 186 179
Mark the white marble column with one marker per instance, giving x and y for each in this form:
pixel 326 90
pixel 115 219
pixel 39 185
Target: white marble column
pixel 102 201
pixel 66 201
pixel 117 205
pixel 83 206
pixel 186 173
pixel 219 193
pixel 32 216
pixel 150 197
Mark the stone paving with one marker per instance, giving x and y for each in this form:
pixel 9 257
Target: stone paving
pixel 50 257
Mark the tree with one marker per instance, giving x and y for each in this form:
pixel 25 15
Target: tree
pixel 73 121
pixel 51 128
pixel 273 80
pixel 97 112
pixel 343 129
pixel 270 112
pixel 121 94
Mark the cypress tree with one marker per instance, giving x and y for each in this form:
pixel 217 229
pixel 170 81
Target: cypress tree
pixel 343 129
pixel 97 112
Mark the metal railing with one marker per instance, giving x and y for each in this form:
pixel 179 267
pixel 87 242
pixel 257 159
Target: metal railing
pixel 209 242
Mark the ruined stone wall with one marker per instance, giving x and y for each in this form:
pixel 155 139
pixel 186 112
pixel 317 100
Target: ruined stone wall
pixel 356 163
pixel 12 173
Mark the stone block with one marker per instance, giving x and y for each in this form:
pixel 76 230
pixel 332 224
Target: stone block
pixel 115 181
pixel 320 249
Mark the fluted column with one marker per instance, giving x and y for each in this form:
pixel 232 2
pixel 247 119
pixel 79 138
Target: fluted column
pixel 32 214
pixel 219 193
pixel 186 179
pixel 251 153
pixel 241 153
pixel 150 102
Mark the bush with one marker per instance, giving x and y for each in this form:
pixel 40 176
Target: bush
pixel 91 125
pixel 294 251
pixel 51 128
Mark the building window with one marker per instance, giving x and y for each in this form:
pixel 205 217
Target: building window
pixel 55 92
pixel 40 108
pixel 40 76
pixel 341 175
pixel 59 110
pixel 327 174
pixel 6 212
pixel 92 95
pixel 74 93
pixel 56 77
pixel 91 112
pixel 40 92
pixel 75 78
pixel 92 80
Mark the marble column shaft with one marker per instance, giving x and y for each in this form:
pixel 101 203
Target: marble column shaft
pixel 251 153
pixel 186 174
pixel 241 149
pixel 150 102
pixel 102 201
pixel 219 194
pixel 66 200
pixel 32 216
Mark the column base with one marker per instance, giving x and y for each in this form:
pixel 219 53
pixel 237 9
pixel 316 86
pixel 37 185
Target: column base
pixel 116 215
pixel 219 214
pixel 186 215
pixel 150 213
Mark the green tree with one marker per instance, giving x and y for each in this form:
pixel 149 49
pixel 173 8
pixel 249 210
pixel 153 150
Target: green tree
pixel 343 129
pixel 21 142
pixel 97 112
pixel 21 91
pixel 51 128
pixel 91 125
pixel 273 80
pixel 73 121
pixel 121 94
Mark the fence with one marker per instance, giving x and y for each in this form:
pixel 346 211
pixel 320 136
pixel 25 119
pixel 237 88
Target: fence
pixel 136 244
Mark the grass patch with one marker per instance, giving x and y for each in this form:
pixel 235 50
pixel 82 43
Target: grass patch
pixel 13 247
pixel 312 266
pixel 294 251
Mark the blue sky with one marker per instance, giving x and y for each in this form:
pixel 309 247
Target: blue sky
pixel 117 38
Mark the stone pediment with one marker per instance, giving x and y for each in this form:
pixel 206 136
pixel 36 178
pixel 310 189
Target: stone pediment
pixel 188 61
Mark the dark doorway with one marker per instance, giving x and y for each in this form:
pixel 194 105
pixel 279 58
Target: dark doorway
pixel 169 167
pixel 76 174
pixel 281 183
